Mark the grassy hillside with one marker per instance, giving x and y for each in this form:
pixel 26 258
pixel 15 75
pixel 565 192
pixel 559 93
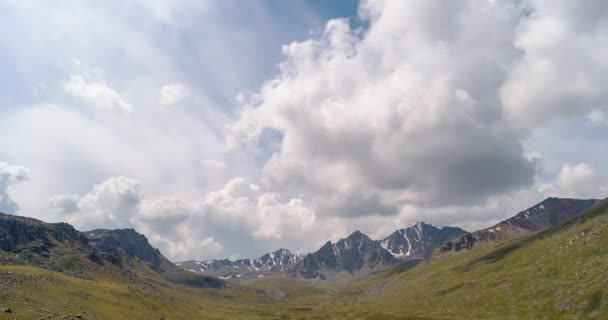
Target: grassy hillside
pixel 32 293
pixel 560 273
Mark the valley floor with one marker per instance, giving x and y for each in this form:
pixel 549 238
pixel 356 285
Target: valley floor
pixel 561 273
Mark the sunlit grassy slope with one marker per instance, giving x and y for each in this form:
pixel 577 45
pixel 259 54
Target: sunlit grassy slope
pixel 561 273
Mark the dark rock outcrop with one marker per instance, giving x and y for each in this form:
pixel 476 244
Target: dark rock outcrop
pixel 116 245
pixel 21 233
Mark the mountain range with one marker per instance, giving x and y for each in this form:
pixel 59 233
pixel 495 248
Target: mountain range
pixel 32 242
pixel 355 254
pixel 548 261
pixel 358 253
pixel 276 261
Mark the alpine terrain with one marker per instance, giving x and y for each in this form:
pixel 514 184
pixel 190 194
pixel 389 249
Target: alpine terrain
pixel 51 270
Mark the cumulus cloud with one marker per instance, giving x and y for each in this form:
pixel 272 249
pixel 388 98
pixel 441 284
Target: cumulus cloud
pixel 405 112
pixel 96 93
pixel 563 64
pixel 10 175
pixel 111 204
pixel 430 105
pixel 239 219
pixel 172 94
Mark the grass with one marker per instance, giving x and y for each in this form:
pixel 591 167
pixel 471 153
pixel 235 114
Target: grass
pixel 560 273
pixel 32 292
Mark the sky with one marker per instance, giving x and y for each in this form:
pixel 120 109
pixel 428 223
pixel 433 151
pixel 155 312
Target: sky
pixel 227 129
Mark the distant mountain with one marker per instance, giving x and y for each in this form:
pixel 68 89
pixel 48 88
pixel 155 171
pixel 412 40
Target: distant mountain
pixel 357 253
pixel 123 254
pixel 277 261
pixel 548 213
pixel 418 241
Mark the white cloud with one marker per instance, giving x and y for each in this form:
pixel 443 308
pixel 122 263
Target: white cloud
pixel 96 93
pixel 111 204
pixel 581 181
pixel 10 175
pixel 172 94
pixel 236 217
pixel 70 151
pixel 430 105
pixel 563 64
pixel 405 112
pixel 598 117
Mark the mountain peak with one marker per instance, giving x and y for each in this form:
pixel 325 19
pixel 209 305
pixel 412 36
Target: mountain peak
pixel 282 251
pixel 418 240
pixel 357 253
pixel 356 235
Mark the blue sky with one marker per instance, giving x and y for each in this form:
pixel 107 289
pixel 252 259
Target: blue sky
pixel 231 128
pixel 40 41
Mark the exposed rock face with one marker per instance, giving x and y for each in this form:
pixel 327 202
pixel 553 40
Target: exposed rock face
pixel 357 253
pixel 19 233
pixel 419 240
pixel 550 212
pixel 276 261
pixel 60 247
pixel 465 241
pixel 116 244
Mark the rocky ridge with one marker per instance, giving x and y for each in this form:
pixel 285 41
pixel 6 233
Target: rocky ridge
pixel 59 247
pixel 549 212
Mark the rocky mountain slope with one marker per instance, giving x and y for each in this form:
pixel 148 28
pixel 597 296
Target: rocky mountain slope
pixel 122 245
pixel 59 247
pixel 355 254
pixel 548 213
pixel 277 261
pixel 26 241
pixel 419 240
